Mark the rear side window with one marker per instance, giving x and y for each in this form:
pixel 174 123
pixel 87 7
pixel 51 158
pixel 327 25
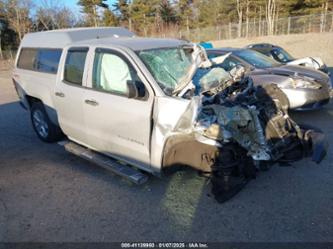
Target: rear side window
pixel 48 60
pixel 41 60
pixel 74 66
pixel 27 59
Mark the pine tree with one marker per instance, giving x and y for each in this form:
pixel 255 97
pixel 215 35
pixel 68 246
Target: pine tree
pixel 144 15
pixel 122 7
pixel 90 8
pixel 109 18
pixel 304 7
pixel 167 12
pixel 185 13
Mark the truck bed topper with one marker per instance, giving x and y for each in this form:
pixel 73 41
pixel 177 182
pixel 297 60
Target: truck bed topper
pixel 62 37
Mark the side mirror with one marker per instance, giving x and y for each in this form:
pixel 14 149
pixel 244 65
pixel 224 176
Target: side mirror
pixel 135 89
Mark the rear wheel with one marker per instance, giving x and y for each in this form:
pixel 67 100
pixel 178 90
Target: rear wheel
pixel 44 128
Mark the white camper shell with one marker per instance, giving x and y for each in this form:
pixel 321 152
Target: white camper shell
pixel 62 37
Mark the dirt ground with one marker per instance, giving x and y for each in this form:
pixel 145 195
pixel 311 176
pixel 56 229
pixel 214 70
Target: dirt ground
pixel 6 65
pixel 49 195
pixel 302 45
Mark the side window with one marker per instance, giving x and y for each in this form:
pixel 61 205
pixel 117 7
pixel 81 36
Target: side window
pixel 74 65
pixel 42 59
pixel 48 60
pixel 27 58
pixel 111 73
pixel 277 55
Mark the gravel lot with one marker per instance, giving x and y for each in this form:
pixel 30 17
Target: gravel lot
pixel 299 45
pixel 47 194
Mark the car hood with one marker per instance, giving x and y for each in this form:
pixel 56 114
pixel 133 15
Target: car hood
pixel 294 72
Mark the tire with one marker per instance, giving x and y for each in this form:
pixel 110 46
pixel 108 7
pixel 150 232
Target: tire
pixel 309 127
pixel 44 128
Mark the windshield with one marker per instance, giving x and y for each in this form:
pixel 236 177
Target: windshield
pixel 281 55
pixel 256 59
pixel 167 65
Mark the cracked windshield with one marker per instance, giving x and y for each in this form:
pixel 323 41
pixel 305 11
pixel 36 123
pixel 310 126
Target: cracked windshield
pixel 167 65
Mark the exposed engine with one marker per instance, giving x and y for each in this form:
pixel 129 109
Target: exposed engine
pixel 249 124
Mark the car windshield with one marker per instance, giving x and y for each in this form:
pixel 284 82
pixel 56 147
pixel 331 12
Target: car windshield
pixel 167 65
pixel 256 59
pixel 282 55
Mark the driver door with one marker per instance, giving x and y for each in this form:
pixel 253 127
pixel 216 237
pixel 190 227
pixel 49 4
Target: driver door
pixel 116 124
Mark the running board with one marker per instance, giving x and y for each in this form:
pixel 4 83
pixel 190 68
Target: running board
pixel 106 162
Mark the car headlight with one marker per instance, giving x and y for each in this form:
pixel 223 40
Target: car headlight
pixel 300 83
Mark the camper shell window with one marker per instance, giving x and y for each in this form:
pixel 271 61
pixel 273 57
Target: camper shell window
pixel 48 60
pixel 44 60
pixel 27 58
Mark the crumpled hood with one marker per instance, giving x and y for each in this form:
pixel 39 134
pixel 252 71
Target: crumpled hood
pixel 295 71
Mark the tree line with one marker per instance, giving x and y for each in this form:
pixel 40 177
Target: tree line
pixel 152 17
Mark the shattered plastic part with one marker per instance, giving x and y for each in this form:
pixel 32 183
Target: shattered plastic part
pixel 213 78
pixel 216 132
pixel 239 123
pixel 243 125
pixel 205 140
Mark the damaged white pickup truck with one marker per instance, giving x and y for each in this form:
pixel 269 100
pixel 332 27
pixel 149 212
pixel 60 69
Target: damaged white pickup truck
pixel 156 104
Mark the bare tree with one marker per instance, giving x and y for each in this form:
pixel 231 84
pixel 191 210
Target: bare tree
pixel 240 17
pixel 1 28
pixel 260 22
pixel 52 15
pixel 1 54
pixel 324 9
pixel 17 12
pixel 270 16
pixel 65 18
pixel 247 17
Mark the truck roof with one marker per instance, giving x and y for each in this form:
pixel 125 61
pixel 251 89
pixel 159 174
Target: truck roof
pixel 62 37
pixel 134 43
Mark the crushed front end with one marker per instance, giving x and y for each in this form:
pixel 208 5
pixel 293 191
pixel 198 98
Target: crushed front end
pixel 248 126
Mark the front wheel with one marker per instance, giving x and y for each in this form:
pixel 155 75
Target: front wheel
pixel 44 128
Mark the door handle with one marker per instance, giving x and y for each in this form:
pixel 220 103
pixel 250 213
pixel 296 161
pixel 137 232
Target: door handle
pixel 59 94
pixel 91 102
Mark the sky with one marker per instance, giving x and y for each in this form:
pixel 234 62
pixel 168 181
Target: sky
pixel 72 4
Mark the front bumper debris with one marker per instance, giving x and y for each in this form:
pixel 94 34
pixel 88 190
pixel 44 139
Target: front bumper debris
pixel 251 127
